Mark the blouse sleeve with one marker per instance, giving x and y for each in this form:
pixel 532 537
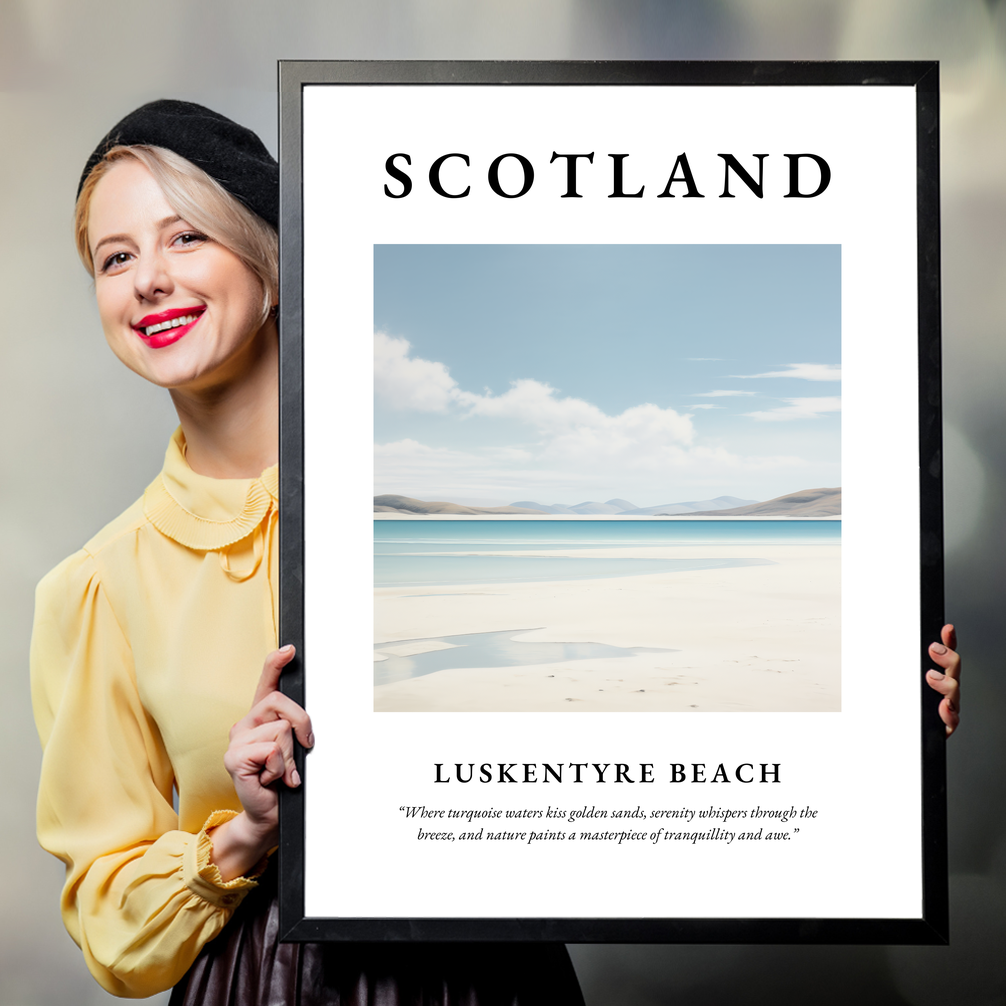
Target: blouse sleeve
pixel 141 898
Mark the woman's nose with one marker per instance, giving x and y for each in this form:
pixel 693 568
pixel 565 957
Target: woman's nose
pixel 152 277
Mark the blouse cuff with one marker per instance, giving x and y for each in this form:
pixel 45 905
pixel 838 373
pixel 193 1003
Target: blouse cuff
pixel 202 876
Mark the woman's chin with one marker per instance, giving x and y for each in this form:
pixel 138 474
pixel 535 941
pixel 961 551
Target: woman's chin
pixel 175 374
pixel 197 365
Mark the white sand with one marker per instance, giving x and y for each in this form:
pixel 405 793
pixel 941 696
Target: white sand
pixel 748 638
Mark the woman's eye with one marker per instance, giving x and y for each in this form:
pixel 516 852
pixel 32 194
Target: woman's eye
pixel 114 261
pixel 190 238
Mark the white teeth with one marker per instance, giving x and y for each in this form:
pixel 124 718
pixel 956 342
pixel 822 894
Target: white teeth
pixel 173 323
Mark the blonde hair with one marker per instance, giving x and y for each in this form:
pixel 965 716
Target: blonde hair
pixel 199 200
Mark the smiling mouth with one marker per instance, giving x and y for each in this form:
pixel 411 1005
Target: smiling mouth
pixel 167 324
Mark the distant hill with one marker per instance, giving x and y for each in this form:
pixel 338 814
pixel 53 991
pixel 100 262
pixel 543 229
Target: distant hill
pixel 805 503
pixel 587 509
pixel 390 503
pixel 626 509
pixel 542 507
pixel 689 507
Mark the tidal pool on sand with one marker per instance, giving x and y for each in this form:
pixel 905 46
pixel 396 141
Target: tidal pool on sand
pixel 489 649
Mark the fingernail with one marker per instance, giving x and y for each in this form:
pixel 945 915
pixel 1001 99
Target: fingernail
pixel 938 648
pixel 310 740
pixel 295 777
pixel 936 675
pixel 287 649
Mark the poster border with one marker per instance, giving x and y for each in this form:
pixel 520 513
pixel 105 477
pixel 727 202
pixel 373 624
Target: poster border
pixel 933 925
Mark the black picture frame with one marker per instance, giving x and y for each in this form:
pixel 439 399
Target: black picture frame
pixel 931 926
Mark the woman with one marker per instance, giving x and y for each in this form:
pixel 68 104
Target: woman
pixel 148 643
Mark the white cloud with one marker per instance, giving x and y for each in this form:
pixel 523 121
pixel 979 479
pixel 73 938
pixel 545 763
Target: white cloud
pixel 804 371
pixel 799 408
pixel 568 429
pixel 406 382
pixel 554 444
pixel 705 405
pixel 415 469
pixel 413 452
pixel 577 434
pixel 572 420
pixel 722 394
pixel 512 454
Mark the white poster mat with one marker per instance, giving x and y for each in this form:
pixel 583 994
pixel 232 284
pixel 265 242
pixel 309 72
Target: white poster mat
pixel 859 769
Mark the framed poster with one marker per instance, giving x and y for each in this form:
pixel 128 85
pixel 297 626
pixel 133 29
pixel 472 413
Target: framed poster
pixel 611 501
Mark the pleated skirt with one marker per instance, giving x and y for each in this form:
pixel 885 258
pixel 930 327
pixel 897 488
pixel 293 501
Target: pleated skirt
pixel 246 965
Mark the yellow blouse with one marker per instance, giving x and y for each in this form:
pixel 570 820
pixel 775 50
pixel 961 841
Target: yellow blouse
pixel 147 647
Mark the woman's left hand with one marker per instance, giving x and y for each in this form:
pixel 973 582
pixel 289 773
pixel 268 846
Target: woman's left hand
pixel 260 754
pixel 947 682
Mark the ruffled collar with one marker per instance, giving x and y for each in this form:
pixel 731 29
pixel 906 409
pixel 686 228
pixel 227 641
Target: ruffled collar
pixel 203 513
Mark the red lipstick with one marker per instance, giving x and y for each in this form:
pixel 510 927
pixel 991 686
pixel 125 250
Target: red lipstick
pixel 166 327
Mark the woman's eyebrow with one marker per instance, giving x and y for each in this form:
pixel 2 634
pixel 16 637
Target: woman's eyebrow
pixel 160 225
pixel 109 240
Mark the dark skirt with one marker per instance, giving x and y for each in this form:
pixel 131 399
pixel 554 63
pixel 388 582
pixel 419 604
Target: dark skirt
pixel 246 965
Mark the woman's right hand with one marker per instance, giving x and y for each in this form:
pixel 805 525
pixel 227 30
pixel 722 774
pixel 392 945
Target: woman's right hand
pixel 948 681
pixel 260 753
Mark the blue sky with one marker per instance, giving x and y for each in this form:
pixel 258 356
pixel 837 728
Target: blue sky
pixel 562 373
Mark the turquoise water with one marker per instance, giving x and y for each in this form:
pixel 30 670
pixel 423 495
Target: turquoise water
pixel 433 553
pixel 493 649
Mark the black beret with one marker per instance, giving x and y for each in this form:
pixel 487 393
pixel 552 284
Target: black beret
pixel 231 154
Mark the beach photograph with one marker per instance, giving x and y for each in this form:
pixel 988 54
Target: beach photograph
pixel 533 407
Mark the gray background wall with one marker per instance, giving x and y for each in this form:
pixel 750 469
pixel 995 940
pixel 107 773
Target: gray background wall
pixel 82 437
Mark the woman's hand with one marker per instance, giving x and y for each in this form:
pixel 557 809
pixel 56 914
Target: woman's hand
pixel 947 682
pixel 260 754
